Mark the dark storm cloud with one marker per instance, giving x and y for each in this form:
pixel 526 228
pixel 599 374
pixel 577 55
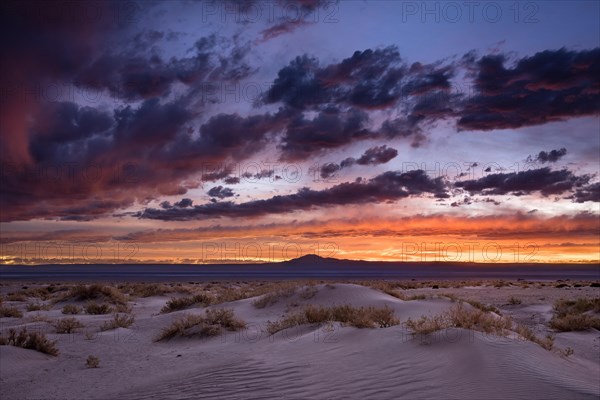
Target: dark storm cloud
pixel 587 193
pixel 373 156
pixel 542 180
pixel 330 129
pixel 220 192
pixel 389 186
pixel 377 155
pixel 133 76
pixel 552 85
pixel 369 79
pixel 551 156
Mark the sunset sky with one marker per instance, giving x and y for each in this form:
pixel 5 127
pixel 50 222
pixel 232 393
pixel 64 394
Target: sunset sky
pixel 240 131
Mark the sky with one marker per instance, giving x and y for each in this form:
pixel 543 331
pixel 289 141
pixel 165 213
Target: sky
pixel 244 131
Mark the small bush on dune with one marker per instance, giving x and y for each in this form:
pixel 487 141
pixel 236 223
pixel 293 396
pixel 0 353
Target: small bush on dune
pixel 271 298
pixel 359 317
pixel 38 307
pixel 95 292
pixel 460 317
pixel 97 309
pixel 547 342
pixel 576 322
pixel 29 340
pixel 573 315
pixel 10 312
pixel 427 325
pixel 513 301
pixel 181 303
pixel 67 325
pixel 15 297
pixel 309 292
pixel 118 321
pixel 146 289
pixel 203 326
pixel 92 362
pixel 71 309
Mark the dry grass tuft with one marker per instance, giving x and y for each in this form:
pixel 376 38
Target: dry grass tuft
pixel 211 324
pixel 10 312
pixel 118 321
pixel 38 307
pixel 94 308
pixel 181 303
pixel 547 342
pixel 67 325
pixel 92 362
pixel 513 301
pixel 575 315
pixel 460 317
pixel 359 317
pixel 29 340
pixel 271 298
pixel 71 309
pixel 95 292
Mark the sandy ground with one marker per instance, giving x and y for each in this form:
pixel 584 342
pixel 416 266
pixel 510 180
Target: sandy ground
pixel 310 362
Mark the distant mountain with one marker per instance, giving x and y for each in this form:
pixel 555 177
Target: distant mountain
pixel 313 259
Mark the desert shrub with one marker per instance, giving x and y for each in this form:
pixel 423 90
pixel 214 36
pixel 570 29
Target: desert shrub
pixel 578 306
pixel 29 340
pixel 118 321
pixel 97 308
pixel 71 309
pixel 92 362
pixel 95 292
pixel 181 303
pixel 146 289
pixel 38 307
pixel 460 317
pixel 273 297
pixel 359 317
pixel 309 292
pixel 10 312
pixel 568 352
pixel 67 325
pixel 573 315
pixel 574 322
pixel 481 306
pixel 427 325
pixel 547 342
pixel 514 301
pixel 15 297
pixel 203 326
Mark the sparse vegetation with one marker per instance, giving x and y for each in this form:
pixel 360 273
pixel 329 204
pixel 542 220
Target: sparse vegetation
pixel 460 317
pixel 575 315
pixel 71 309
pixel 95 292
pixel 15 297
pixel 118 321
pixel 309 292
pixel 10 312
pixel 97 308
pixel 211 324
pixel 359 317
pixel 513 301
pixel 181 303
pixel 38 307
pixel 67 325
pixel 29 340
pixel 271 298
pixel 92 362
pixel 547 342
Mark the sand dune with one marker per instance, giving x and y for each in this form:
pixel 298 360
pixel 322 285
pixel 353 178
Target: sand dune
pixel 304 362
